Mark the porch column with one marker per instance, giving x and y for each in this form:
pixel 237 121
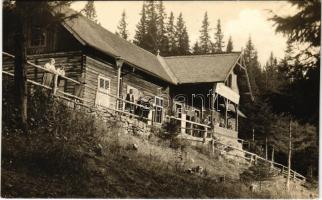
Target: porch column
pixel 226 108
pixel 119 63
pixel 213 107
pixel 183 123
pixel 236 124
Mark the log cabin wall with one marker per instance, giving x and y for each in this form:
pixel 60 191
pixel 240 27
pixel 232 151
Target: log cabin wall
pixel 71 61
pixel 95 68
pixel 145 86
pixel 56 39
pixel 57 43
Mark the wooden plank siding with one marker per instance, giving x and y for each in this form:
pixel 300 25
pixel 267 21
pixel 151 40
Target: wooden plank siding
pixel 148 86
pixel 94 68
pixel 72 61
pixel 57 39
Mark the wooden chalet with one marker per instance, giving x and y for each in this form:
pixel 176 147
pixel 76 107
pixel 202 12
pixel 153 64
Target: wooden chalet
pixel 196 89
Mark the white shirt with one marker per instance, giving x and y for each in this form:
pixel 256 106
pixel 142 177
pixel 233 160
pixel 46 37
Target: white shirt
pixel 60 72
pixel 50 67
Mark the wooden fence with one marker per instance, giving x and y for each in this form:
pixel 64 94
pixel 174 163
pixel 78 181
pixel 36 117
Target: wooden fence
pixel 76 100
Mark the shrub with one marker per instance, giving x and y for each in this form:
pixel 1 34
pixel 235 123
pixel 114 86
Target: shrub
pixel 171 127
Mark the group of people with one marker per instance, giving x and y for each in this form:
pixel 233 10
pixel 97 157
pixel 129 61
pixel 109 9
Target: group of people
pixel 49 78
pixel 135 109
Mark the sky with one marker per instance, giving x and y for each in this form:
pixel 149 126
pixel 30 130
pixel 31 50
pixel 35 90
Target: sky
pixel 239 19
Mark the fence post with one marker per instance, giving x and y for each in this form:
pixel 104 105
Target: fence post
pixel 205 135
pixel 183 123
pixel 55 84
pixel 251 160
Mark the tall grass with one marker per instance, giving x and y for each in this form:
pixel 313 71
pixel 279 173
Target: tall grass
pixel 75 153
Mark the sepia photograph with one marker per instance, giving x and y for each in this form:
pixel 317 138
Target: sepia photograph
pixel 160 99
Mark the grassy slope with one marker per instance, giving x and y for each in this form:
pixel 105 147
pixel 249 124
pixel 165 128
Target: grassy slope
pixel 149 172
pixel 58 159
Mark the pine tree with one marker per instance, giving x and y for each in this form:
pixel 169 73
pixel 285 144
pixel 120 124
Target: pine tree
pixel 163 43
pixel 204 40
pixel 289 137
pixel 249 51
pixel 122 27
pixel 253 68
pixel 196 49
pixel 151 41
pixel 141 29
pixel 171 35
pixel 272 82
pixel 219 43
pixel 287 64
pixel 89 11
pixel 230 46
pixel 181 37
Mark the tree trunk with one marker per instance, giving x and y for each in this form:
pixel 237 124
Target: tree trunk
pixel 272 157
pixel 20 73
pixel 289 157
pixel 266 156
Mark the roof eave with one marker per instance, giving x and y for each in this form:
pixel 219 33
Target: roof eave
pixel 232 67
pixel 69 29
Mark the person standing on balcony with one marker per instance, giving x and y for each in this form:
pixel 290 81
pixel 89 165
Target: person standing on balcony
pixel 49 75
pixel 60 70
pixel 80 87
pixel 129 97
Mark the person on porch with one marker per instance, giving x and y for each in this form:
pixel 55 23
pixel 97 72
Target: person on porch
pixel 60 70
pixel 130 98
pixel 49 75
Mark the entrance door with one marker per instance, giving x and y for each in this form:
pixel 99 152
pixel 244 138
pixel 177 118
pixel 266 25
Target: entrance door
pixel 103 89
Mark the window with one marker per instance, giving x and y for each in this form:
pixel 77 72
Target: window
pixel 37 37
pixel 158 109
pixel 103 89
pixel 104 85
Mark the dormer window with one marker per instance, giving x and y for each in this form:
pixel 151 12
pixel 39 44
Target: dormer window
pixel 37 37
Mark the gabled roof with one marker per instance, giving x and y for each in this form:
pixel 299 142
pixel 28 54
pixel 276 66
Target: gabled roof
pixel 95 36
pixel 173 69
pixel 202 68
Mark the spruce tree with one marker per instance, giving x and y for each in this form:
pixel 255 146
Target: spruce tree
pixel 196 48
pixel 141 29
pixel 253 67
pixel 204 40
pixel 171 35
pixel 230 46
pixel 151 41
pixel 162 39
pixel 271 74
pixel 219 43
pixel 181 37
pixel 289 137
pixel 89 11
pixel 122 27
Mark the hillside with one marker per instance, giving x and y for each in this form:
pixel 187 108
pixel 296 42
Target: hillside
pixel 72 153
